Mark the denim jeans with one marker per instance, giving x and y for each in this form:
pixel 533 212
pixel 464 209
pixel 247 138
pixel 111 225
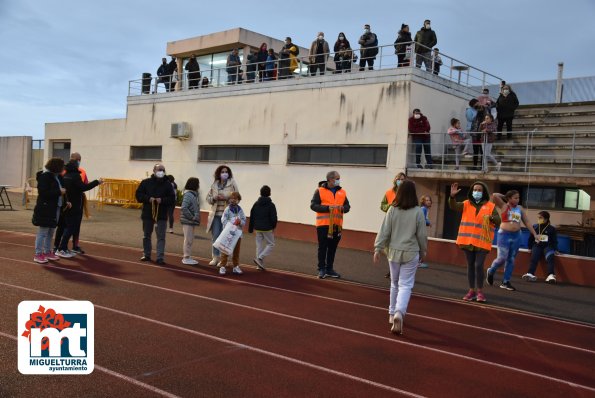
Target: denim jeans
pixel 536 253
pixel 419 143
pixel 508 247
pixel 148 227
pixel 216 228
pixel 402 278
pixel 43 240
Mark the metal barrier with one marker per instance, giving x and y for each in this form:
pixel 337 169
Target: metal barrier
pixel 448 68
pixel 570 153
pixel 118 192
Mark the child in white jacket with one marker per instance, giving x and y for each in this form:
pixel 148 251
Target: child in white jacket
pixel 233 213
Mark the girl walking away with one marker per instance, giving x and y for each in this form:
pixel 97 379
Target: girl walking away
pixel 425 203
pixel 509 236
pixel 189 217
pixel 172 207
pixel 488 128
pixel 545 244
pixel 461 141
pixel 403 238
pixel 233 214
pixel 476 233
pixel 50 188
pixel 263 220
pixel 217 197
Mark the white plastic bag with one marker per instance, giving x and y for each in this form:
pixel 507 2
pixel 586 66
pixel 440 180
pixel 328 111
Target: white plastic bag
pixel 228 239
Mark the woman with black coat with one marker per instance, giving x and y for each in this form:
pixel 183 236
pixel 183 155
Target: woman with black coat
pixel 50 189
pixel 403 40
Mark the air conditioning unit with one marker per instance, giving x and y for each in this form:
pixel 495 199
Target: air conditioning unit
pixel 180 130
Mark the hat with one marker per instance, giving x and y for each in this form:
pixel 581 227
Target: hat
pixel 416 110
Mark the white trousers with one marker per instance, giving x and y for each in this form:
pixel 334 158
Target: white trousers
pixel 402 279
pixel 263 237
pixel 188 239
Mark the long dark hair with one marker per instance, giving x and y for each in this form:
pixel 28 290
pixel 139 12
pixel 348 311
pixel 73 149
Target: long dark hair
pixel 406 197
pixel 217 174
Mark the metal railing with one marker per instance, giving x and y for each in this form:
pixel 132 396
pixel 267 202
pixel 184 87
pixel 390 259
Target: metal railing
pixel 569 152
pixel 341 62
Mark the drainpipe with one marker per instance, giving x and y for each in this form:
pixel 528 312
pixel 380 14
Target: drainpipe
pixel 559 83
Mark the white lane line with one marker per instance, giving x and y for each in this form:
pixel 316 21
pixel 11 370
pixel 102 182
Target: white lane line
pixel 392 340
pixel 238 281
pixel 117 375
pixel 230 342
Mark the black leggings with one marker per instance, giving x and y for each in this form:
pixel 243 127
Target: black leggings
pixel 475 273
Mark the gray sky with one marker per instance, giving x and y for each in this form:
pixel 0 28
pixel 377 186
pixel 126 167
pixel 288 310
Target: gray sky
pixel 71 60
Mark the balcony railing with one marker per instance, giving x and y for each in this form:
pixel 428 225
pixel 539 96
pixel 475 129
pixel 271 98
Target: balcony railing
pixel 343 62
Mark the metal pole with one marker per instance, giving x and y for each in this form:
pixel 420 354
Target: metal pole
pixel 451 65
pixel 572 154
pixel 380 63
pixel 483 80
pixel 559 83
pixel 527 151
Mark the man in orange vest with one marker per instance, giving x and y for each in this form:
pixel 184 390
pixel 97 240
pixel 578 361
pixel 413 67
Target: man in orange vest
pixel 476 233
pixel 330 203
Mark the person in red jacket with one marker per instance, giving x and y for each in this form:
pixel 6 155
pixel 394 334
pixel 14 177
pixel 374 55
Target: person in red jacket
pixel 419 129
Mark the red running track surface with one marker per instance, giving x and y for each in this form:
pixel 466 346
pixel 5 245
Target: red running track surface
pixel 185 331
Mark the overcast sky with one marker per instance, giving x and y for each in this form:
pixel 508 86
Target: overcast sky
pixel 71 60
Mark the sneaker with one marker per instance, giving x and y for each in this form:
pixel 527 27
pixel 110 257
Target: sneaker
pixel 78 250
pixel 259 264
pixel 237 270
pixel 171 231
pixel 214 261
pixel 507 286
pixel 332 274
pixel 489 278
pixel 470 295
pixel 64 254
pixel 423 265
pixel 498 166
pixel 529 277
pixel 160 261
pixel 189 261
pixel 391 319
pixel 40 259
pixel 72 253
pixel 551 278
pixel 51 257
pixel 468 156
pixel 321 274
pixel 145 258
pixel 480 297
pixel 222 270
pixel 397 327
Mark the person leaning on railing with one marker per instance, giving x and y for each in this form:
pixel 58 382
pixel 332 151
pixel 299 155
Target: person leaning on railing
pixel 319 52
pixel 288 59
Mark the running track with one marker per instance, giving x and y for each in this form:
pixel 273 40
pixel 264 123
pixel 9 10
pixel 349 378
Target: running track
pixel 185 331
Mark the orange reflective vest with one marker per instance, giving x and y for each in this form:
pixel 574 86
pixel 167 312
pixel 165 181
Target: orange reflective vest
pixel 390 196
pixel 476 229
pixel 328 199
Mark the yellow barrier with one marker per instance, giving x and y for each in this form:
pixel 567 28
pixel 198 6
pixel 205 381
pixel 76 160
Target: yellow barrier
pixel 118 192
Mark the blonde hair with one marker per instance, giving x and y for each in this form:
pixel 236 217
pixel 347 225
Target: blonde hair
pixel 423 198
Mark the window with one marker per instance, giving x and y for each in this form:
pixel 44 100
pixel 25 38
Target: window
pixel 559 198
pixel 61 149
pixel 541 197
pixel 361 155
pixel 233 153
pixel 145 153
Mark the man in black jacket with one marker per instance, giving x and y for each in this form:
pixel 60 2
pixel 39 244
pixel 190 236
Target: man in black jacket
pixel 73 216
pixel 369 48
pixel 156 194
pixel 164 75
pixel 263 219
pixel 425 40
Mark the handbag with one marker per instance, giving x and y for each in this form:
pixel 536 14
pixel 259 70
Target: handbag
pixel 408 51
pixel 228 238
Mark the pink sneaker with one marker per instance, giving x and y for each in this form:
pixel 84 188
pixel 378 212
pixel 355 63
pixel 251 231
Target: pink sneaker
pixel 480 297
pixel 40 258
pixel 51 256
pixel 470 295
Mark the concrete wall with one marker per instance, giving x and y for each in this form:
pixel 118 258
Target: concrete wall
pixel 15 153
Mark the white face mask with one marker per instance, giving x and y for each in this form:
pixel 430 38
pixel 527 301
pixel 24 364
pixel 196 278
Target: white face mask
pixel 337 182
pixel 417 116
pixel 427 26
pixel 160 174
pixel 320 38
pixel 341 37
pixel 366 31
pixel 505 92
pixel 224 176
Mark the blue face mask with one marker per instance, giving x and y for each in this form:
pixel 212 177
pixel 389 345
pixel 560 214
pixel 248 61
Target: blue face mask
pixel 477 195
pixel 337 182
pixel 399 182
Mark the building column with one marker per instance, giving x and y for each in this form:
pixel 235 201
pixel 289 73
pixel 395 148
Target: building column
pixel 180 65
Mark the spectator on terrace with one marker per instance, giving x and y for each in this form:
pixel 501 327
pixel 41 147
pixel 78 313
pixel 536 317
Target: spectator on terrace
pixel 436 61
pixel 233 66
pixel 271 66
pixel 425 40
pixel 261 58
pixel 488 127
pixel 251 67
pixel 484 98
pixel 461 141
pixel 343 59
pixel 368 48
pixel 506 105
pixel 341 39
pixel 173 72
pixel 419 129
pixel 403 42
pixel 319 52
pixel 164 75
pixel 193 70
pixel 288 61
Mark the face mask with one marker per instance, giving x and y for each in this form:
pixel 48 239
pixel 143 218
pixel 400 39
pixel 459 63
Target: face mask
pixel 505 92
pixel 427 26
pixel 398 182
pixel 337 182
pixel 320 38
pixel 160 174
pixel 366 31
pixel 540 221
pixel 224 176
pixel 78 163
pixel 477 195
pixel 341 37
pixel 417 116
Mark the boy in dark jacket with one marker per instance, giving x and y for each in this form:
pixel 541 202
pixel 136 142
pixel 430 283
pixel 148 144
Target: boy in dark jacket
pixel 547 246
pixel 263 219
pixel 156 195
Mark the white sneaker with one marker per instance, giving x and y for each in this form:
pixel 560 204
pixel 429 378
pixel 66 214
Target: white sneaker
pixel 529 277
pixel 259 264
pixel 237 270
pixel 397 327
pixel 498 166
pixel 189 261
pixel 214 261
pixel 64 254
pixel 222 270
pixel 391 319
pixel 551 278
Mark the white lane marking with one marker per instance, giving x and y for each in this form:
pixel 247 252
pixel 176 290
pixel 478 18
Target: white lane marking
pixel 228 342
pixel 116 374
pixel 429 297
pixel 448 353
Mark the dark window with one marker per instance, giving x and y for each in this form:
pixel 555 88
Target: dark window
pixel 346 155
pixel 229 153
pixel 61 149
pixel 550 197
pixel 145 153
